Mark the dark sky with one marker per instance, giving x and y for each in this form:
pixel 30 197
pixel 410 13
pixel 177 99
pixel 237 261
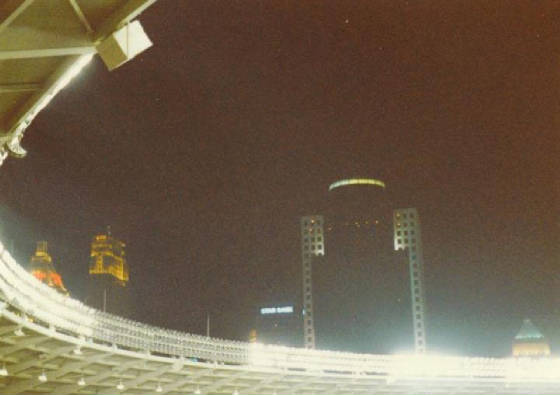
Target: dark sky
pixel 203 152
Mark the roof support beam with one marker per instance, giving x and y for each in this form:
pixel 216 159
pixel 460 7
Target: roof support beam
pixel 81 15
pixel 23 387
pixel 20 367
pixel 15 88
pixel 192 378
pixel 15 13
pixel 46 52
pixel 100 378
pixel 123 15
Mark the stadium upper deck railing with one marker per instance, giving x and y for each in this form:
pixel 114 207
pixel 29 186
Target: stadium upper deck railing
pixel 35 305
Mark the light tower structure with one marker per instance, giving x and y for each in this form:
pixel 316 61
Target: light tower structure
pixel 42 268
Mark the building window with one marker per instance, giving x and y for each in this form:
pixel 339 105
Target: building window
pixel 417 300
pixel 412 232
pixel 398 232
pixel 399 241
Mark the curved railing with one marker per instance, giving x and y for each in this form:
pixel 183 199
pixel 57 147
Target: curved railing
pixel 44 306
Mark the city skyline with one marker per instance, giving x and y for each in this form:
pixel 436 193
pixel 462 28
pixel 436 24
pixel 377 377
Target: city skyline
pixel 239 118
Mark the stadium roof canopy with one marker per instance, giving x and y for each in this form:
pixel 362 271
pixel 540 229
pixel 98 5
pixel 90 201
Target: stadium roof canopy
pixel 43 44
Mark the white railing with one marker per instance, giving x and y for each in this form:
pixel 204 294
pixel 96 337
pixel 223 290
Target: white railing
pixel 29 297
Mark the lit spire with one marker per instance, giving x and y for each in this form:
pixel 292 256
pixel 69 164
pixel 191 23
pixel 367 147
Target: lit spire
pixel 43 269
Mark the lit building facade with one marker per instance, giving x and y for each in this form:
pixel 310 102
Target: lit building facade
pixel 42 268
pixel 312 247
pixel 408 238
pixel 357 286
pixel 530 342
pixel 108 275
pixel 279 325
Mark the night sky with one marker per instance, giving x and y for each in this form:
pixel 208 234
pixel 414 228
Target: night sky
pixel 203 152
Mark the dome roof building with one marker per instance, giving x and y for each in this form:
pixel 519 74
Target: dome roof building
pixel 530 342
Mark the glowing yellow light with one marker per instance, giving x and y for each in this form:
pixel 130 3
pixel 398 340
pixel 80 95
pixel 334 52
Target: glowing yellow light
pixel 357 181
pixel 108 257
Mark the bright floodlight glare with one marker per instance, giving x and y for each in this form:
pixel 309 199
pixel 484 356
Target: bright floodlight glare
pixel 42 377
pixel 357 181
pixel 197 391
pixel 120 386
pixel 81 382
pixel 159 389
pixel 3 370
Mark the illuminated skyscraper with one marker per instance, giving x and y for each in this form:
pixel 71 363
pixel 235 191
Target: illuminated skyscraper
pixel 530 342
pixel 108 275
pixel 312 245
pixel 408 238
pixel 43 269
pixel 278 324
pixel 357 286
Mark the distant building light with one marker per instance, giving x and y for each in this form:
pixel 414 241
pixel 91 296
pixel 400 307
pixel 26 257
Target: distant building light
pixel 357 181
pixel 277 310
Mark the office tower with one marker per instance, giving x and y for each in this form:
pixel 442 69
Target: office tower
pixel 278 324
pixel 43 269
pixel 356 285
pixel 108 275
pixel 408 238
pixel 530 342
